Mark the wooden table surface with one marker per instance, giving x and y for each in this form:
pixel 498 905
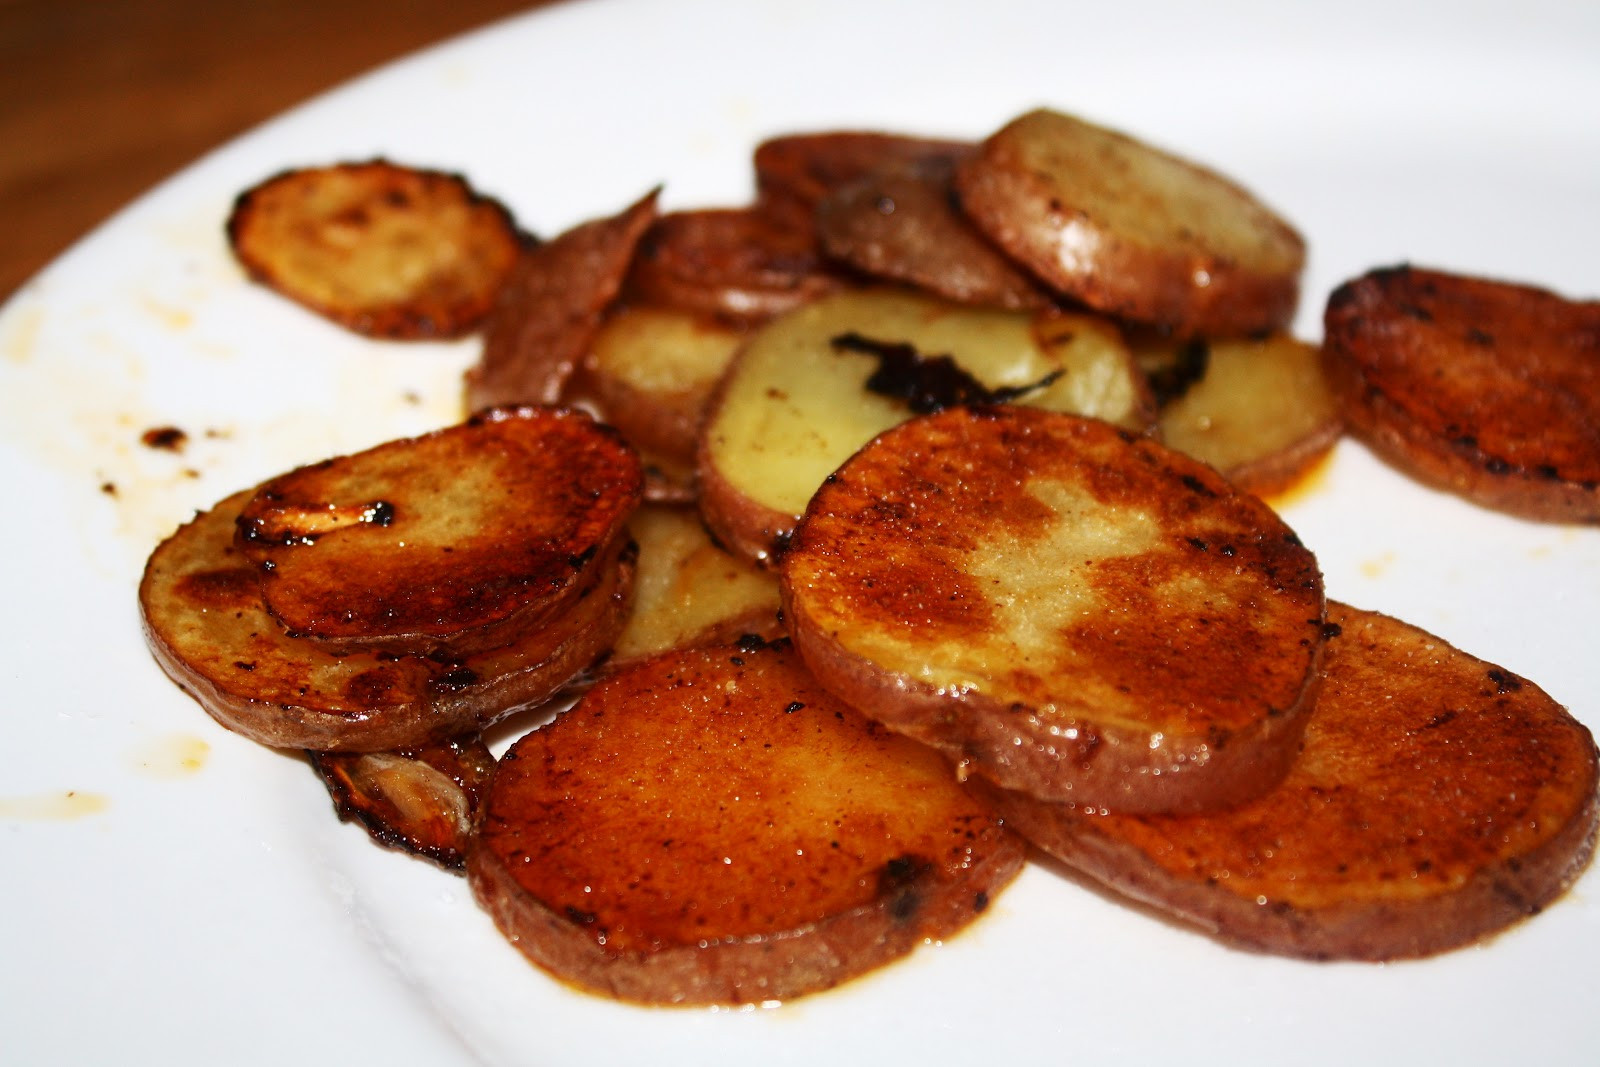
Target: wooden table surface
pixel 101 99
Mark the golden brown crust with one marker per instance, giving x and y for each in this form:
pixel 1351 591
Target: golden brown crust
pixel 549 309
pixel 739 264
pixel 452 542
pixel 1133 231
pixel 713 827
pixel 385 250
pixel 1438 799
pixel 200 604
pixel 1487 389
pixel 902 225
pixel 1069 609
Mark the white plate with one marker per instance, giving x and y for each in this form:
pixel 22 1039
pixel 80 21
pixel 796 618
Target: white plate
pixel 174 892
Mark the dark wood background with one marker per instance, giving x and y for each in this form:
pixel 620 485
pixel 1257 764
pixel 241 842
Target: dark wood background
pixel 101 99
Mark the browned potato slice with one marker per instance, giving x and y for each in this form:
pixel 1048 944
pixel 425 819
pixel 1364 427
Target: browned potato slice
pixel 200 600
pixel 796 171
pixel 690 592
pixel 1262 413
pixel 1068 609
pixel 1484 388
pixel 652 371
pixel 1438 799
pixel 713 827
pixel 380 248
pixel 806 392
pixel 903 226
pixel 453 542
pixel 417 800
pixel 1131 230
pixel 738 264
pixel 548 311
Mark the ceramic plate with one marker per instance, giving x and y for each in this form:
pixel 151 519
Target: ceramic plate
pixel 173 892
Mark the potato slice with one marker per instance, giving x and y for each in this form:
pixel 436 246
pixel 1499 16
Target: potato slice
pixel 417 800
pixel 200 601
pixel 903 226
pixel 713 827
pixel 796 403
pixel 1262 413
pixel 1131 230
pixel 548 311
pixel 383 249
pixel 1484 388
pixel 690 592
pixel 738 264
pixel 453 542
pixel 1438 799
pixel 1068 609
pixel 795 172
pixel 652 371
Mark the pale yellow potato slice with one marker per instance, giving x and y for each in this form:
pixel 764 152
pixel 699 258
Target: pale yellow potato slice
pixel 653 370
pixel 690 592
pixel 1262 413
pixel 796 404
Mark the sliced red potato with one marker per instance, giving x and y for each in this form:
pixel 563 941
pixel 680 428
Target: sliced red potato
pixel 203 616
pixel 712 827
pixel 903 225
pixel 417 800
pixel 795 172
pixel 812 387
pixel 652 371
pixel 1063 607
pixel 1131 230
pixel 1438 799
pixel 1484 388
pixel 690 592
pixel 1262 412
pixel 549 309
pixel 383 249
pixel 453 542
pixel 738 264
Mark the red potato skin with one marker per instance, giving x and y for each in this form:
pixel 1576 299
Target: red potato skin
pixel 1482 388
pixel 550 308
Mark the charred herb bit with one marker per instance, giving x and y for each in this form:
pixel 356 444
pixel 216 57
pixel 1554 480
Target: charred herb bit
pixel 928 383
pixel 1171 379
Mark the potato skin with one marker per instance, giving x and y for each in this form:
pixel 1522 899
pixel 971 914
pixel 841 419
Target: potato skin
pixel 1487 389
pixel 1133 231
pixel 1438 799
pixel 713 827
pixel 549 309
pixel 903 225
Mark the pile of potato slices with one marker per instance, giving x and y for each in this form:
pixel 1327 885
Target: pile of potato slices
pixel 917 505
